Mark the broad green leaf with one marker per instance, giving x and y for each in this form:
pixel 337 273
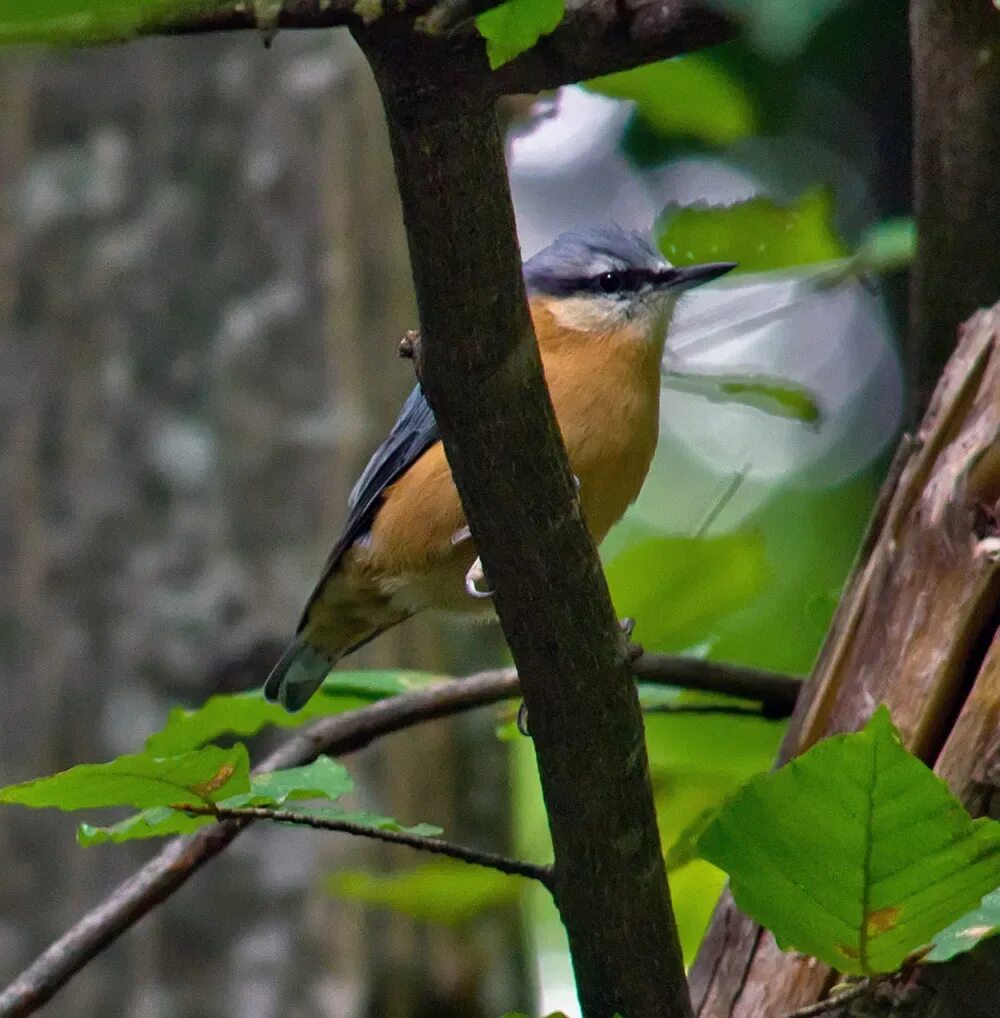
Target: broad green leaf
pixel 965 933
pixel 515 26
pixel 88 21
pixel 323 778
pixel 247 713
pixel 855 853
pixel 206 775
pixel 675 587
pixel 165 822
pixel 759 235
pixel 444 891
pixel 158 822
pixel 775 396
pixel 690 95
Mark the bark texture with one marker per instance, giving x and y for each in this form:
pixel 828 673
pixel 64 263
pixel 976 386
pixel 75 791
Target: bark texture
pixel 481 372
pixel 203 277
pixel 917 630
pixel 956 98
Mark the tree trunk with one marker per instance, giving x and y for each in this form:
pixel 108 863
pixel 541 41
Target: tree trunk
pixel 956 99
pixel 202 269
pixel 917 630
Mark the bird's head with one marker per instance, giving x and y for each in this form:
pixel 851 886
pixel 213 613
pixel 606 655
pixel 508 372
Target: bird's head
pixel 604 279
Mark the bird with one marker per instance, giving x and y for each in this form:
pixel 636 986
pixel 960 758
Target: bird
pixel 601 300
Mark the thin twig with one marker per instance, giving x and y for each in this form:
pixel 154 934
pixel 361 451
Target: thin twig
pixel 437 846
pixel 775 690
pixel 825 1006
pixel 343 733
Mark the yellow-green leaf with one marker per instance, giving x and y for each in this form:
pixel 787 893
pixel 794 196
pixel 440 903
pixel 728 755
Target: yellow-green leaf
pixel 690 95
pixel 760 235
pixel 515 26
pixel 855 852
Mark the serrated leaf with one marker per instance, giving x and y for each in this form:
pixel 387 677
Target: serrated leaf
pixel 965 933
pixel 247 713
pixel 515 26
pixel 159 822
pixel 775 396
pixel 206 775
pixel 690 95
pixel 855 853
pixel 760 235
pixel 443 891
pixel 323 778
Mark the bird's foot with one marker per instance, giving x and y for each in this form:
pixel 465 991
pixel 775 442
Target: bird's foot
pixel 476 584
pixel 633 650
pixel 522 720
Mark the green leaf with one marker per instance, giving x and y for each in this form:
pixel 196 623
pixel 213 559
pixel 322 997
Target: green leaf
pixel 855 853
pixel 159 822
pixel 88 21
pixel 778 397
pixel 444 891
pixel 691 96
pixel 963 934
pixel 246 713
pixel 759 235
pixel 676 587
pixel 322 778
pixel 206 775
pixel 515 26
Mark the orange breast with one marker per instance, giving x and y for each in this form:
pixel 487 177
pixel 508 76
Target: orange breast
pixel 605 391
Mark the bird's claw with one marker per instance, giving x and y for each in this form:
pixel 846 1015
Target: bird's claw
pixel 473 578
pixel 522 720
pixel 460 535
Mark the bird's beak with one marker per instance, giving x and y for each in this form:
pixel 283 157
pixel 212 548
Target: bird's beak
pixel 688 276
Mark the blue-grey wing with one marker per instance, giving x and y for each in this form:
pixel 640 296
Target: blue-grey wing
pixel 414 432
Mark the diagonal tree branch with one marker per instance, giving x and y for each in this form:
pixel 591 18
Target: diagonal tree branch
pixel 595 37
pixel 343 733
pixel 420 842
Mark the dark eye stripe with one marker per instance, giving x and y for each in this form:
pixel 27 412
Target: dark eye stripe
pixel 625 281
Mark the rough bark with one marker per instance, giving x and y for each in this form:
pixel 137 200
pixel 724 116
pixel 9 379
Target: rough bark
pixel 956 99
pixel 481 372
pixel 594 38
pixel 197 273
pixel 917 630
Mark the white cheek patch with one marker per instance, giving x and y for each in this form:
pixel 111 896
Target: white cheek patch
pixel 586 314
pixel 599 314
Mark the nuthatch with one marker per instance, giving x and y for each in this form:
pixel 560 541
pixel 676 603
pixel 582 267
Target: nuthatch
pixel 601 301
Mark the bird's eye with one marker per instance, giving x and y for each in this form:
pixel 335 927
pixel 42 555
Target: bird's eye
pixel 610 282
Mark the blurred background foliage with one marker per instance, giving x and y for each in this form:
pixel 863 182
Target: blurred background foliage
pixel 202 283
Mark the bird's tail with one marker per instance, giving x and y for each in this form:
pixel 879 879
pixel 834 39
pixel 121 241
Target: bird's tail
pixel 300 671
